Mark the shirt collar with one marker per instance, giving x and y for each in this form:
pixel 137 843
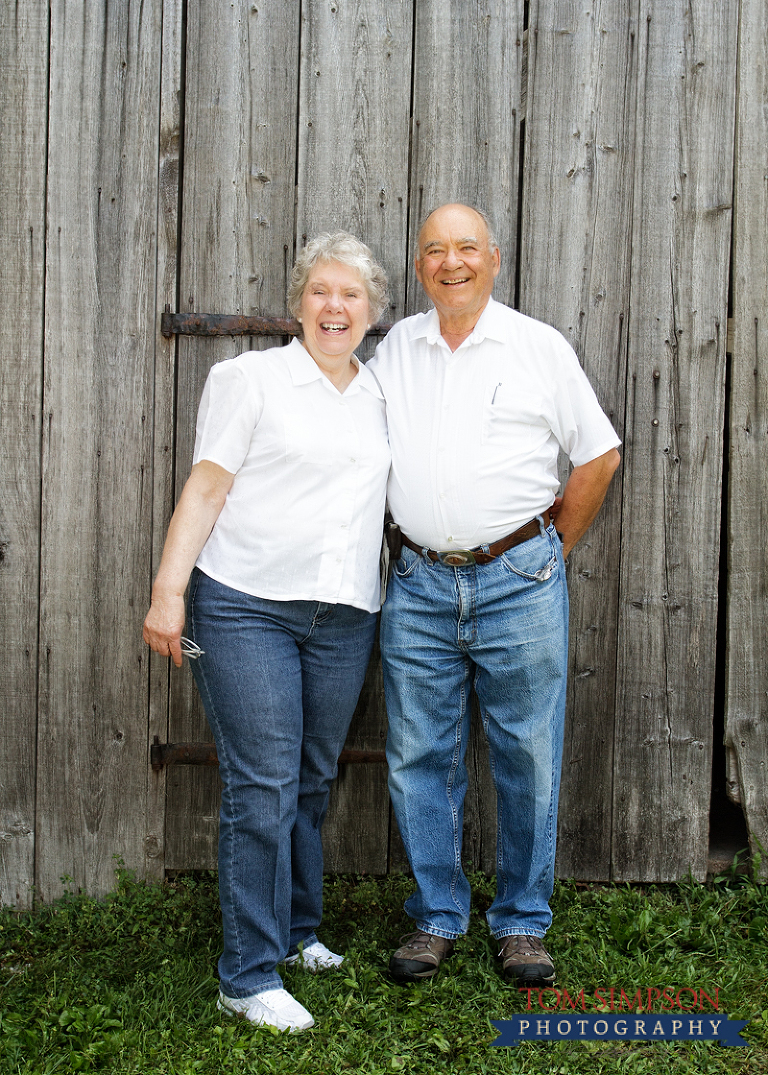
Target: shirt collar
pixel 489 325
pixel 304 370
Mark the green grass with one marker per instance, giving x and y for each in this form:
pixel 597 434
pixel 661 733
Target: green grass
pixel 127 984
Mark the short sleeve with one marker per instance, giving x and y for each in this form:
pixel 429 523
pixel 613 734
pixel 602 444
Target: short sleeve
pixel 229 412
pixel 582 428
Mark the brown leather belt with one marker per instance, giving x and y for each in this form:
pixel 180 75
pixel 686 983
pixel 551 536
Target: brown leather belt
pixel 462 557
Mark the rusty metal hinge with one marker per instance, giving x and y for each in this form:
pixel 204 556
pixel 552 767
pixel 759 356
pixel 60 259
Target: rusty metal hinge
pixel 193 324
pixel 163 754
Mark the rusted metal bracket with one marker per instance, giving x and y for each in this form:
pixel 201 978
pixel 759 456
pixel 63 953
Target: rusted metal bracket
pixel 193 324
pixel 163 754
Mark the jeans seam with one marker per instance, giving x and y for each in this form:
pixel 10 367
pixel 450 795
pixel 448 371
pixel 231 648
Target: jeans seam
pixel 449 789
pixel 426 927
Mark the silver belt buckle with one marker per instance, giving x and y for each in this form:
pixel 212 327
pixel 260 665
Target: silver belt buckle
pixel 456 557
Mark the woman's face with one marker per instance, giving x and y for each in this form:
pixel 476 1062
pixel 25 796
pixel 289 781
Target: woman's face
pixel 334 311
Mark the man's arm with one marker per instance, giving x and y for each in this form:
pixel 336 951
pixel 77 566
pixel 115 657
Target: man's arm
pixel 583 494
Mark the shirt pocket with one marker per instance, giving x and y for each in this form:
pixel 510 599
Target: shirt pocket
pixel 510 411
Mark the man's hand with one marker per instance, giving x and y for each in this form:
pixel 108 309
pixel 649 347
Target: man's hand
pixel 582 497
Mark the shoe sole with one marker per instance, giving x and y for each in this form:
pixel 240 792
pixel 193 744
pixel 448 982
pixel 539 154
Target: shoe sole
pixel 530 982
pixel 402 974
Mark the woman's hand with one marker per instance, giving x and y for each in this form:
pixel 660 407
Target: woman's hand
pixel 164 625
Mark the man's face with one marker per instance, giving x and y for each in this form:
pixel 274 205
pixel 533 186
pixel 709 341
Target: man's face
pixel 455 265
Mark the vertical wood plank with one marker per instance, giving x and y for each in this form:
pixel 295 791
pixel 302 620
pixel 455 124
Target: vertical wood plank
pixel 575 275
pixel 673 443
pixel 465 135
pixel 99 355
pixel 746 716
pixel 465 147
pixel 169 194
pixel 236 255
pixel 23 84
pixel 353 127
pixel 353 174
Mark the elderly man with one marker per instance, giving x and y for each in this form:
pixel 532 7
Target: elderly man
pixel 480 399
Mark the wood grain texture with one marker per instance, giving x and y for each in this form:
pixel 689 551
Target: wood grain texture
pixel 168 206
pixel 353 130
pixel 97 497
pixel 746 715
pixel 465 134
pixel 575 275
pixel 23 85
pixel 673 442
pixel 624 245
pixel 236 255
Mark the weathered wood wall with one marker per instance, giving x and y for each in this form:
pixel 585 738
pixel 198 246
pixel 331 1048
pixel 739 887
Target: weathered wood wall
pixel 23 106
pixel 174 153
pixel 747 696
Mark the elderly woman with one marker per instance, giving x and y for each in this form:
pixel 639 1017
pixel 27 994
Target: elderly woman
pixel 280 527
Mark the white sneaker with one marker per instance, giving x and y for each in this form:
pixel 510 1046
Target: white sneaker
pixel 273 1007
pixel 315 957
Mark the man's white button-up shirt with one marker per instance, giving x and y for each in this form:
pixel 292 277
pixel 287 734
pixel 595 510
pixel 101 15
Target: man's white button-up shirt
pixel 475 433
pixel 303 519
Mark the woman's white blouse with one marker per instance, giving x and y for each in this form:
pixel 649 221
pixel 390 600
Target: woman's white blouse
pixel 303 519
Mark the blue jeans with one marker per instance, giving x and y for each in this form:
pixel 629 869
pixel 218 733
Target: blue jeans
pixel 502 629
pixel 279 681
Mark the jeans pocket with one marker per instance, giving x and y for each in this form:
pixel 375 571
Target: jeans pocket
pixel 534 560
pixel 406 563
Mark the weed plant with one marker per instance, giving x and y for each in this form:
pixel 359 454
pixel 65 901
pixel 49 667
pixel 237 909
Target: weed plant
pixel 127 984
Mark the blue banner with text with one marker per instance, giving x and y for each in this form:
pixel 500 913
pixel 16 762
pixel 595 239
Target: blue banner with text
pixel 648 1027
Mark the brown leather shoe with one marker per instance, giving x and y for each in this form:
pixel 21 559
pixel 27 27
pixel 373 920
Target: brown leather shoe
pixel 419 956
pixel 526 960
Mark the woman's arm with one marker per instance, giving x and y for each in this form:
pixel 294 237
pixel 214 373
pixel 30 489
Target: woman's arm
pixel 198 509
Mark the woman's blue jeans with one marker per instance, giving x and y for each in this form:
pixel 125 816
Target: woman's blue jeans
pixel 279 681
pixel 502 629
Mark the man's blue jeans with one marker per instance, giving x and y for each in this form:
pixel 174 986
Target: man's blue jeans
pixel 502 629
pixel 279 681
